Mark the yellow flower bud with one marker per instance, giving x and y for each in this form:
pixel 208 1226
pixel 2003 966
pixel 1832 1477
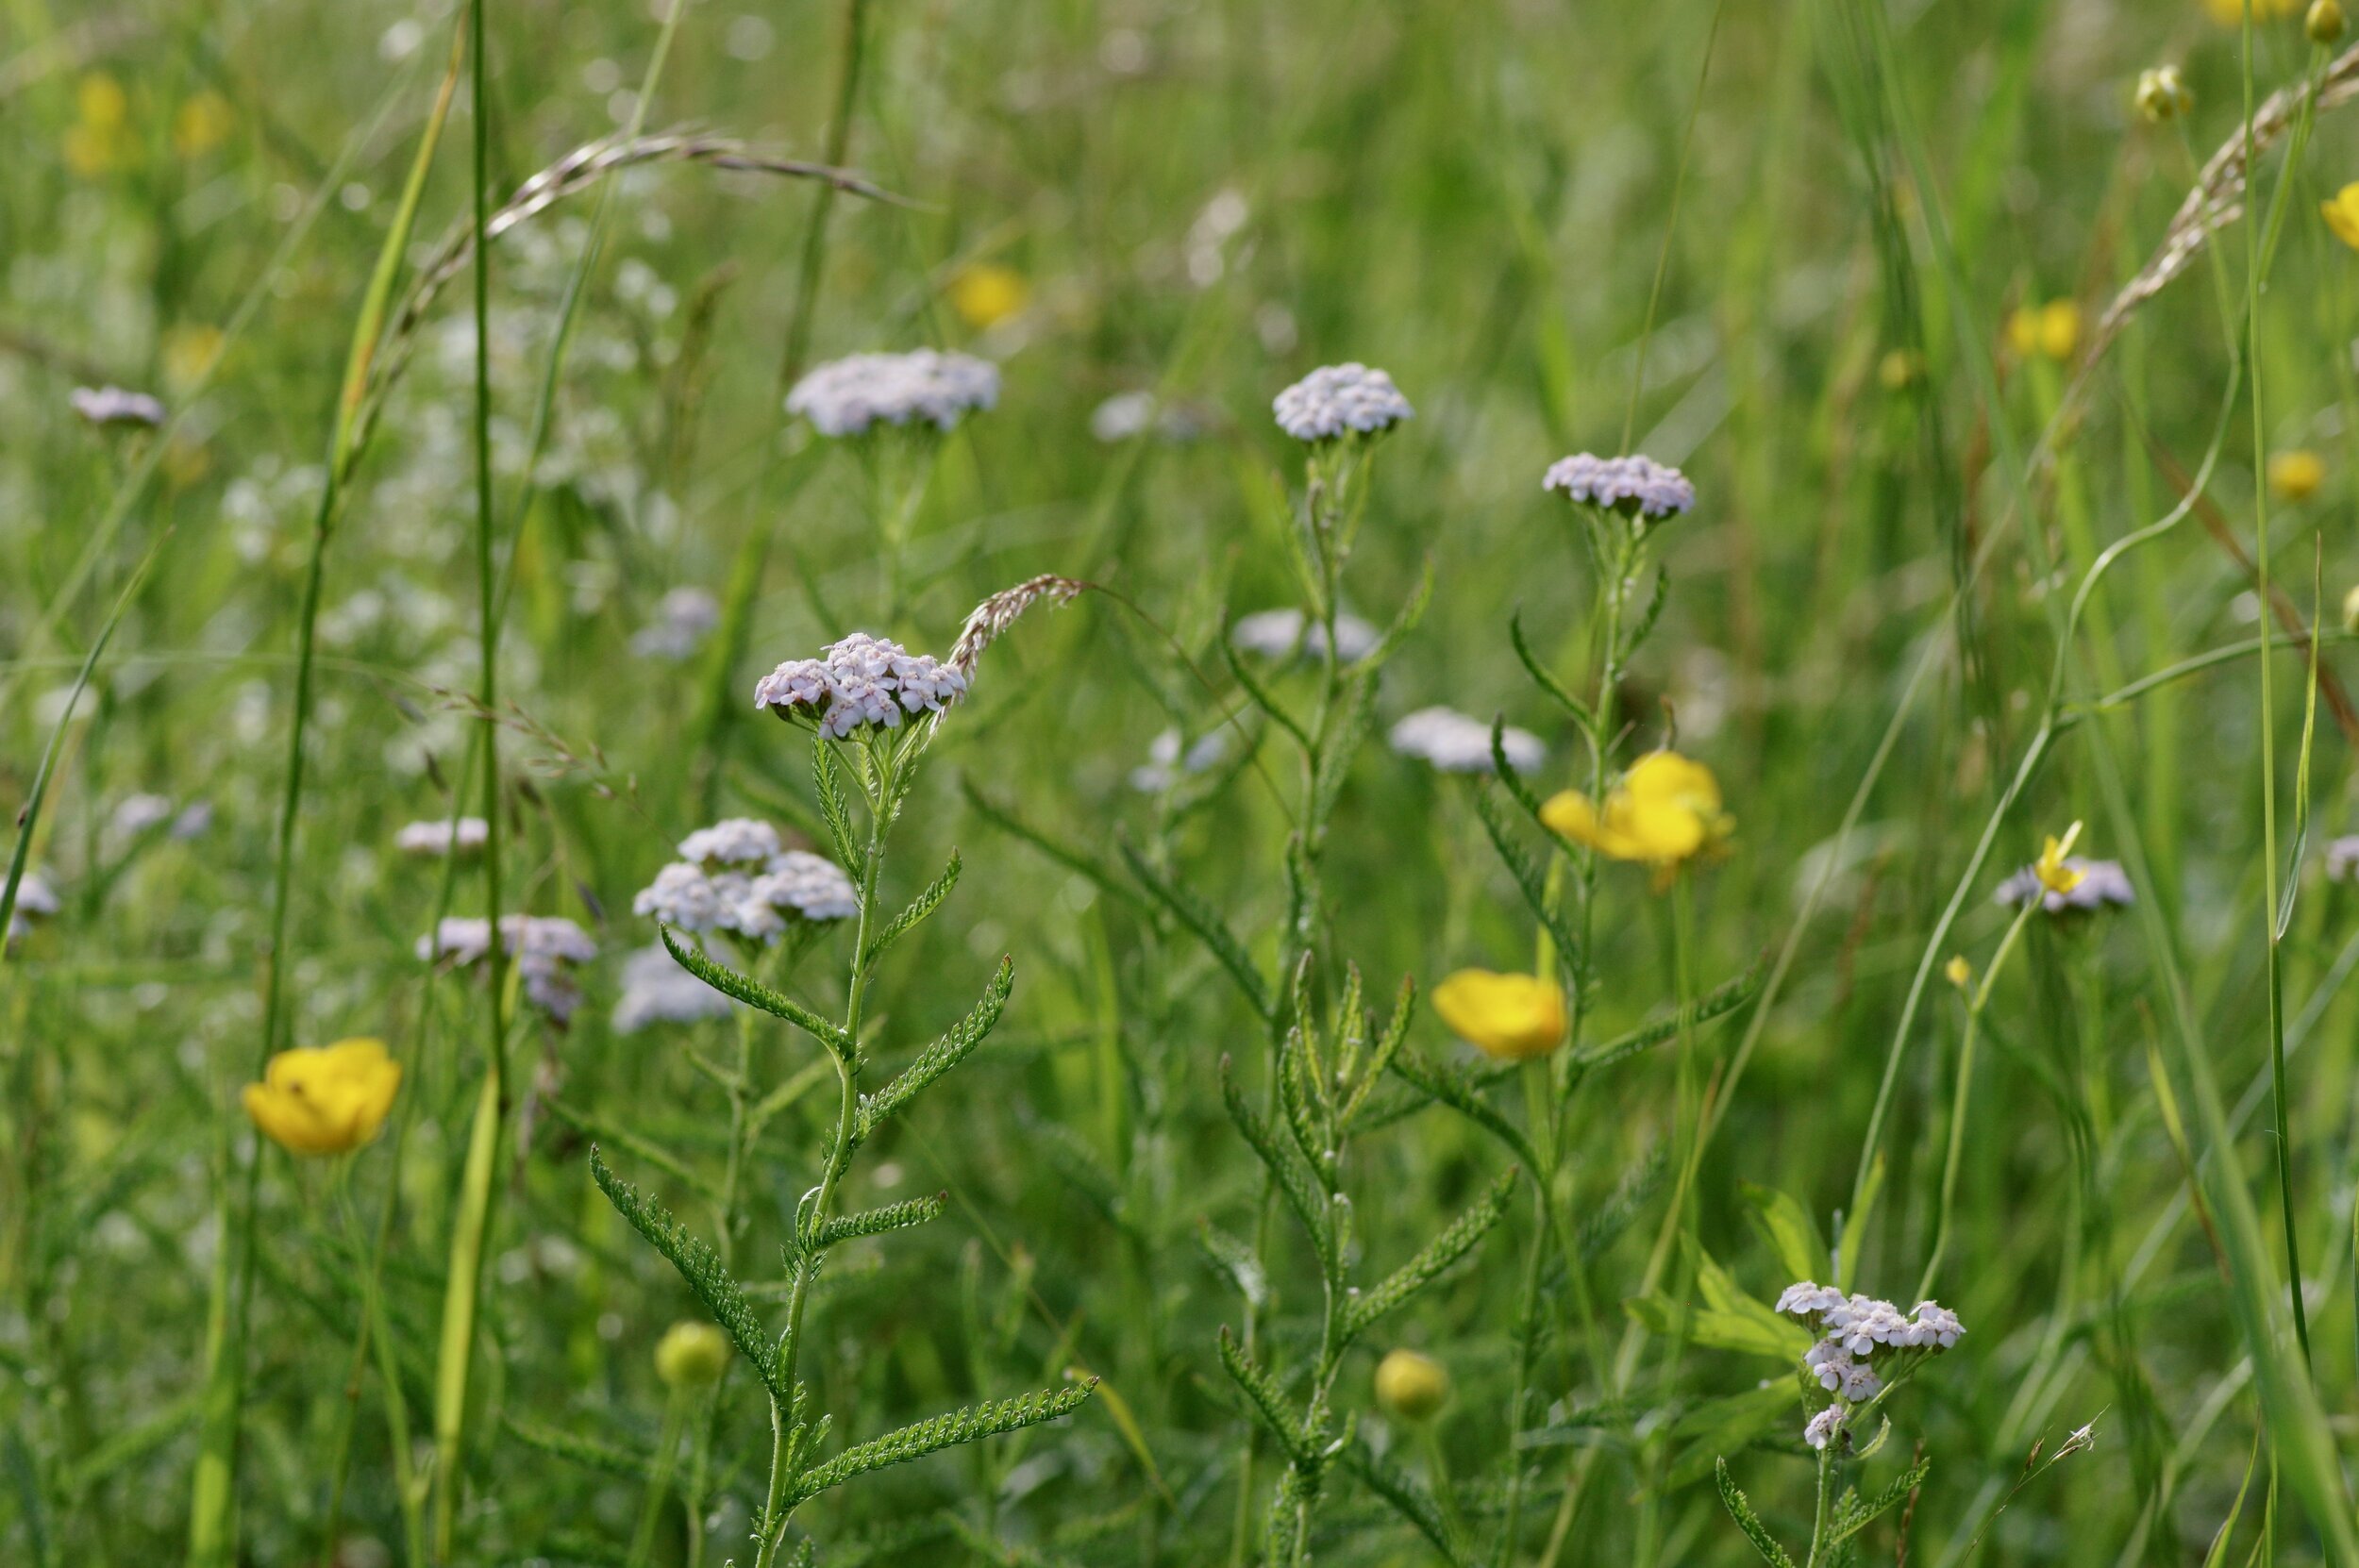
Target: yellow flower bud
pixel 2325 22
pixel 2295 475
pixel 1411 1386
pixel 1509 1017
pixel 691 1355
pixel 1959 971
pixel 2053 330
pixel 327 1099
pixel 2162 94
pixel 201 123
pixel 2056 872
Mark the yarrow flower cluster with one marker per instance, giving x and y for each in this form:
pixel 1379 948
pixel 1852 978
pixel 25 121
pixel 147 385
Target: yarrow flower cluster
pixel 735 876
pixel 1281 633
pixel 1336 400
pixel 861 682
pixel 35 900
pixel 2092 884
pixel 463 835
pixel 1459 742
pixel 656 990
pixel 543 946
pixel 114 406
pixel 683 619
pixel 851 396
pixel 1169 759
pixel 2342 859
pixel 1636 486
pixel 1854 1331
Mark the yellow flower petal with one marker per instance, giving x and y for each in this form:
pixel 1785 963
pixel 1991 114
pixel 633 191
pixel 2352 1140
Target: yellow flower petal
pixel 2342 215
pixel 324 1099
pixel 1509 1017
pixel 1666 810
pixel 987 295
pixel 2295 475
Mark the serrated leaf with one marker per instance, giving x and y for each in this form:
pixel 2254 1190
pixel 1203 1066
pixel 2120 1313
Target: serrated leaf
pixel 1747 1520
pixel 701 1268
pixel 1209 928
pixel 1549 683
pixel 588 1452
pixel 833 809
pixel 1457 1090
pixel 875 1221
pixel 1530 880
pixel 1718 1002
pixel 940 1056
pixel 1285 1171
pixel 603 1131
pixel 931 1436
pixel 919 908
pixel 1385 1049
pixel 1102 877
pixel 729 983
pixel 1235 1260
pixel 1405 619
pixel 1410 1500
pixel 1434 1260
pixel 1263 1397
pixel 1347 733
pixel 1862 1512
pixel 1260 696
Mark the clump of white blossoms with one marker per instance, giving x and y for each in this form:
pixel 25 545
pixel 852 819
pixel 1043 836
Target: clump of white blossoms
pixel 543 945
pixel 860 683
pixel 2342 859
pixel 1633 486
pixel 35 900
pixel 114 406
pixel 1169 759
pixel 735 876
pixel 851 396
pixel 683 619
pixel 1865 1348
pixel 1341 400
pixel 656 990
pixel 461 835
pixel 1281 634
pixel 1459 743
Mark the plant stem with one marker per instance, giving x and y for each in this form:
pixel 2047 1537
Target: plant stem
pixel 823 203
pixel 1951 1158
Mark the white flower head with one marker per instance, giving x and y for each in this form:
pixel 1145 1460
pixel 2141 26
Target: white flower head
pixel 1936 1325
pixel 1826 1426
pixel 851 396
pixel 2342 858
pixel 1636 486
pixel 1459 742
pixel 861 682
pixel 543 946
pixel 1282 634
pixel 1339 400
pixel 114 406
pixel 136 813
pixel 463 835
pixel 1168 761
pixel 683 619
pixel 732 841
pixel 810 885
pixel 1805 1298
pixel 656 990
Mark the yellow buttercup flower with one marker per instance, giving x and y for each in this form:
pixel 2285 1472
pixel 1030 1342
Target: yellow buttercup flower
pixel 1411 1385
pixel 2050 868
pixel 324 1099
pixel 201 123
pixel 986 295
pixel 1960 973
pixel 2052 330
pixel 100 138
pixel 2230 14
pixel 691 1355
pixel 1509 1017
pixel 2342 215
pixel 2295 475
pixel 1665 811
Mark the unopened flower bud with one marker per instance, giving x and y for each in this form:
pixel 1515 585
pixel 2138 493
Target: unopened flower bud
pixel 2325 22
pixel 1958 971
pixel 2163 92
pixel 1411 1386
pixel 691 1355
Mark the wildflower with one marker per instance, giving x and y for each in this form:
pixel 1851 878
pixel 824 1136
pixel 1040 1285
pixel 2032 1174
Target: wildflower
pixel 810 885
pixel 201 123
pixel 2162 95
pixel 1826 1426
pixel 1636 486
pixel 35 900
pixel 1134 413
pixel 860 683
pixel 1281 633
pixel 683 619
pixel 134 814
pixel 732 841
pixel 457 835
pixel 2342 859
pixel 327 1099
pixel 1507 1017
pixel 1808 1299
pixel 543 945
pixel 1932 1318
pixel 1411 1385
pixel 1958 972
pixel 100 138
pixel 1665 811
pixel 2342 215
pixel 656 990
pixel 1459 742
pixel 1341 400
pixel 986 295
pixel 114 406
pixel 1167 763
pixel 2295 475
pixel 691 1355
pixel 2324 23
pixel 2050 330
pixel 851 396
pixel 2230 14
pixel 2062 881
